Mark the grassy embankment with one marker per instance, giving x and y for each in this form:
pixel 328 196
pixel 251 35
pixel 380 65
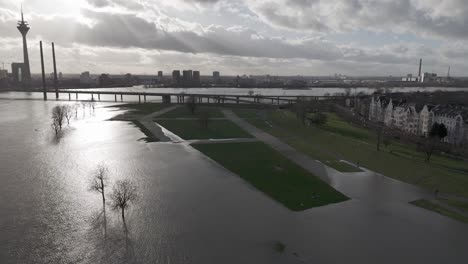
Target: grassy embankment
pixel 338 139
pixel 426 204
pixel 258 118
pixel 187 125
pixel 273 174
pixel 263 167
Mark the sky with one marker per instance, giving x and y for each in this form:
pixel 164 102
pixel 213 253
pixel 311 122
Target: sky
pixel 236 37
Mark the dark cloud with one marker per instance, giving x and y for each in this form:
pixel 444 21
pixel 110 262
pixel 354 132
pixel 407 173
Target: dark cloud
pixel 130 31
pixel 132 5
pixel 442 18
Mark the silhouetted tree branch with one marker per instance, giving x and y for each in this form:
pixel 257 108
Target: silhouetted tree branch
pixel 123 193
pixel 99 181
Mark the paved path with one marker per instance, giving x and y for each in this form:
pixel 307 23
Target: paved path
pixel 367 186
pixel 315 167
pixel 156 130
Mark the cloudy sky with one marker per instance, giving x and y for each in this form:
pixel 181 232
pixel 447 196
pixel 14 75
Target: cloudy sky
pixel 281 37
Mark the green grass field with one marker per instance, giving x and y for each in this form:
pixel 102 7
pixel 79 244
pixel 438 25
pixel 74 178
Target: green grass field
pixel 463 206
pixel 337 125
pixel 444 174
pixel 273 174
pixel 184 112
pixel 440 210
pixel 191 129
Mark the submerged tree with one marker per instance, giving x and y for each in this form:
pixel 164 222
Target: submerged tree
pixel 99 181
pixel 58 115
pixel 55 127
pixel 67 112
pixel 123 193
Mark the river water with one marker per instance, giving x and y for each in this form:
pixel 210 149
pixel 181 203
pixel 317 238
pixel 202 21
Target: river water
pixel 190 209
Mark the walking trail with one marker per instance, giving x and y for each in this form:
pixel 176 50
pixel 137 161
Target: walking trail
pixel 148 123
pixel 365 186
pixel 315 167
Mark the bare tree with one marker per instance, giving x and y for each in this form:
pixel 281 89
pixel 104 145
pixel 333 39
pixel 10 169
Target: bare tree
pixel 58 116
pixel 380 131
pixel 302 110
pixel 92 104
pixel 204 118
pixel 123 193
pixel 99 181
pixel 67 112
pixel 55 127
pixel 191 104
pixel 76 107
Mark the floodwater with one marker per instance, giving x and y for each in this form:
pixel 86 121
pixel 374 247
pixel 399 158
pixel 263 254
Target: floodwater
pixel 190 210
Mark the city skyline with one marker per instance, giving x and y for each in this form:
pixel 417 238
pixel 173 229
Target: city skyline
pixel 286 37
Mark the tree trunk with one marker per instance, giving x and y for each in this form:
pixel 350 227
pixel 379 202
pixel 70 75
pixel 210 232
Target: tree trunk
pixel 103 199
pixel 103 196
pixel 123 215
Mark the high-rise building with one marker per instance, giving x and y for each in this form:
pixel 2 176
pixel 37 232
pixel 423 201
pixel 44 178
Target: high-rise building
pixel 216 77
pixel 196 78
pixel 187 77
pixel 17 71
pixel 85 79
pixel 160 75
pixel 23 28
pixel 3 74
pixel 176 77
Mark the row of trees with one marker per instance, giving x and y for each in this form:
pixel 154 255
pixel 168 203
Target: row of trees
pixel 124 192
pixel 303 108
pixel 436 134
pixel 62 113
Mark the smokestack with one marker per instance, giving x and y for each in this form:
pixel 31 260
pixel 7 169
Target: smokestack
pixel 43 73
pixel 420 69
pixel 55 73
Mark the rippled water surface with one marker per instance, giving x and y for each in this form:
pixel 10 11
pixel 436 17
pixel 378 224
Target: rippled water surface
pixel 190 210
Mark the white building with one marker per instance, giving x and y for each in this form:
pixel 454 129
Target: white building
pixel 417 120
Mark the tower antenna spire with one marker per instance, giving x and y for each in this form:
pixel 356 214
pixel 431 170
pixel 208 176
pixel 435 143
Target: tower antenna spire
pixel 22 17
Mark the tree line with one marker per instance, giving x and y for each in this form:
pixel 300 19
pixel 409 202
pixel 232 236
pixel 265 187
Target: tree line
pixel 64 113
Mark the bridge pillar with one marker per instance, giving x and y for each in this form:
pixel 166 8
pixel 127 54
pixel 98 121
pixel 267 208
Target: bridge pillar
pixel 139 99
pixel 145 97
pixel 278 100
pixel 237 100
pixel 121 97
pixel 115 97
pixel 69 96
pixel 92 97
pixel 76 96
pixel 99 97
